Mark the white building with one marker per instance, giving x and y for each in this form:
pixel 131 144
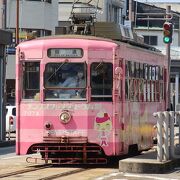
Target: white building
pixel 108 10
pixel 34 15
pixel 154 36
pixel 40 15
pixel 43 16
pixel 2 8
pixel 175 4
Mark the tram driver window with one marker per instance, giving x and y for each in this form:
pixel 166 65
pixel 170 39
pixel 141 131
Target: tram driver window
pixel 31 80
pixel 101 81
pixel 65 81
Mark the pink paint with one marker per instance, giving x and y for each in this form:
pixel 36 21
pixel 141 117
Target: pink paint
pixel 113 125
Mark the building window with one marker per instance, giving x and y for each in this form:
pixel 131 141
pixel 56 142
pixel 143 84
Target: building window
pixel 151 40
pixel 48 1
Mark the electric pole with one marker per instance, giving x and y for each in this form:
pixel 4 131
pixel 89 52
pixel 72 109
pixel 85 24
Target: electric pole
pixel 17 22
pixel 168 46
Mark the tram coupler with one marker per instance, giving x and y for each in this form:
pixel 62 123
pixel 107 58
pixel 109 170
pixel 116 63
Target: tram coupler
pixel 34 160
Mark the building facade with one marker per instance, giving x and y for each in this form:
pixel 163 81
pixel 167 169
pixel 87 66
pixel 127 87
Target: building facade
pixel 152 31
pixel 5 39
pixel 40 16
pixel 2 14
pixel 107 10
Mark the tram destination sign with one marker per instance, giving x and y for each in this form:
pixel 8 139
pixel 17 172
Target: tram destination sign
pixel 65 53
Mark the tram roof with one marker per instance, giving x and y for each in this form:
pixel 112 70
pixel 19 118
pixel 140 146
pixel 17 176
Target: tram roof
pixel 118 42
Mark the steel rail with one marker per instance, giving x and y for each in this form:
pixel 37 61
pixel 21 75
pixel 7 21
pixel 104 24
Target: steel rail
pixel 63 174
pixel 24 171
pixel 43 167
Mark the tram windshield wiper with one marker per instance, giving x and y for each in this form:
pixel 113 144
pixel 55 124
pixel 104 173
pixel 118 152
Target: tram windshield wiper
pixel 99 65
pixel 56 70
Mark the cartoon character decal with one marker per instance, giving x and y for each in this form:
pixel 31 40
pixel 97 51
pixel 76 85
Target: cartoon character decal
pixel 103 125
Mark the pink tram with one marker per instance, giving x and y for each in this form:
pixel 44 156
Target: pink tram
pixel 83 99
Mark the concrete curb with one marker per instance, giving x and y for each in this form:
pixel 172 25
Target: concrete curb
pixel 147 163
pixel 137 167
pixel 7 143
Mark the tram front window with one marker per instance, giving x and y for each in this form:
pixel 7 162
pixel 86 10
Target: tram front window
pixel 31 80
pixel 101 81
pixel 65 81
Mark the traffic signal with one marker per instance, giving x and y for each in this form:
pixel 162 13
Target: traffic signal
pixel 167 31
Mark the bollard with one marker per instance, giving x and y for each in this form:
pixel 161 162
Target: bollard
pixel 165 135
pixel 172 145
pixel 165 120
pixel 178 121
pixel 171 126
pixel 158 115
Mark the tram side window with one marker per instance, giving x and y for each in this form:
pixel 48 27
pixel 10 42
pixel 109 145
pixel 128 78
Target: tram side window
pixel 137 70
pixel 31 80
pixel 145 90
pixel 161 91
pixel 141 71
pixel 161 74
pixel 153 73
pixel 127 89
pixel 133 69
pixel 141 90
pixel 150 72
pixel 127 69
pixel 157 91
pixel 101 81
pixel 146 71
pixel 152 91
pixel 157 72
pixel 131 89
pixel 136 89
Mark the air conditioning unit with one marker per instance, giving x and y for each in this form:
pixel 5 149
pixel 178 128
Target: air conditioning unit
pixel 126 32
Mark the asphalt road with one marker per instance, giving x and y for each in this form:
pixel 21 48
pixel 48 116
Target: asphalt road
pixel 7 151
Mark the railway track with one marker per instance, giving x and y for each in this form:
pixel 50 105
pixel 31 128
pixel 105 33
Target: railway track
pixel 42 173
pixel 63 174
pixel 29 169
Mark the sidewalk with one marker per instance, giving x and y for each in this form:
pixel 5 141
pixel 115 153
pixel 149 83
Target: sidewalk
pixel 147 163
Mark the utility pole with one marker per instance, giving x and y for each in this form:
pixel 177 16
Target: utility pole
pixel 5 39
pixel 171 124
pixel 168 46
pixel 4 15
pixel 130 13
pixel 17 22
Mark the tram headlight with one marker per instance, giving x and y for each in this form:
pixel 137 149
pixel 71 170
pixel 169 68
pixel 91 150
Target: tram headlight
pixel 65 117
pixel 48 125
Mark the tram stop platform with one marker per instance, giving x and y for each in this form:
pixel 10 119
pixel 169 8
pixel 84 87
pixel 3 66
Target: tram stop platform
pixel 147 163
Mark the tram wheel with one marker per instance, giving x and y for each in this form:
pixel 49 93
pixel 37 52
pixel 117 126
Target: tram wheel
pixel 133 150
